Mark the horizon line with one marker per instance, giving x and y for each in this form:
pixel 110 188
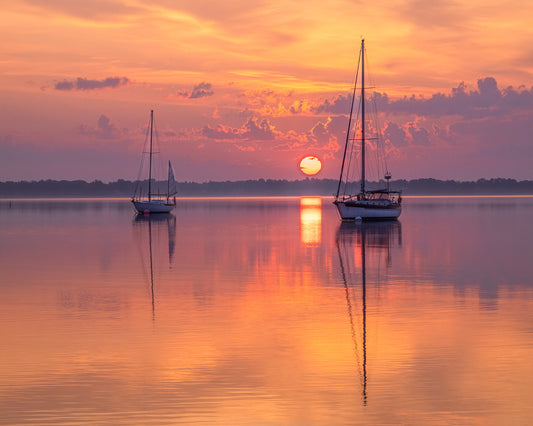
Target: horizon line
pixel 307 178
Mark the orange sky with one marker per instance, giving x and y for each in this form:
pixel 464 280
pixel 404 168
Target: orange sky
pixel 245 89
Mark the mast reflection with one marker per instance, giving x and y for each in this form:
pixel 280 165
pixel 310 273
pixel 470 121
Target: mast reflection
pixel 353 241
pixel 155 226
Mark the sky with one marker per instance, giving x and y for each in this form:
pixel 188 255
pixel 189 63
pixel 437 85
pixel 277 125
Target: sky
pixel 246 89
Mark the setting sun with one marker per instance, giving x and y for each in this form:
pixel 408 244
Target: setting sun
pixel 310 165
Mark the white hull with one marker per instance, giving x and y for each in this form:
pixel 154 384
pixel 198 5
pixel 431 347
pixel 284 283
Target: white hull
pixel 154 206
pixel 367 213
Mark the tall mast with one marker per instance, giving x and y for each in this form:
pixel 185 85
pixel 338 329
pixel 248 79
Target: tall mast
pixel 150 166
pixel 363 117
pixel 346 144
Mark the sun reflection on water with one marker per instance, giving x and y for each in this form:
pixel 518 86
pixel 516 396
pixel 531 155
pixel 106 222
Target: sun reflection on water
pixel 311 220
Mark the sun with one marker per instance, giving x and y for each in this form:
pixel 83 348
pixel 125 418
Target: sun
pixel 310 165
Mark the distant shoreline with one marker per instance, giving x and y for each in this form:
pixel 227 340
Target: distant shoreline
pixel 260 187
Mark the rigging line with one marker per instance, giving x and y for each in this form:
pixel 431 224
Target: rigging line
pixel 158 173
pixel 352 171
pixel 349 125
pixel 355 150
pixel 138 185
pixel 158 166
pixel 382 161
pixel 381 157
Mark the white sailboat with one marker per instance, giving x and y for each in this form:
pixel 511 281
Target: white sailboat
pixel 377 204
pixel 155 202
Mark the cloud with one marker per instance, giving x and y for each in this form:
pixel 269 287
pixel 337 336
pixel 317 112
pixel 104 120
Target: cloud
pixel 410 134
pixel 95 10
pixel 221 132
pixel 103 130
pixel 323 133
pixel 413 128
pixel 258 133
pixel 395 135
pixel 201 90
pixel 462 116
pixel 418 135
pixel 435 14
pixel 274 103
pixel 85 84
pixel 487 100
pixel 340 105
pixel 252 130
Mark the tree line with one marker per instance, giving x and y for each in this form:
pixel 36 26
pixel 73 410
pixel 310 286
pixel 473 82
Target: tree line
pixel 261 187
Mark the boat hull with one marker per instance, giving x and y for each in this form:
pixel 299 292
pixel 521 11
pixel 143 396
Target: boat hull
pixel 350 211
pixel 152 206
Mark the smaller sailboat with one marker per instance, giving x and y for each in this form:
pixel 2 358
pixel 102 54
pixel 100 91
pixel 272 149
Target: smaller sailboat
pixel 377 204
pixel 154 201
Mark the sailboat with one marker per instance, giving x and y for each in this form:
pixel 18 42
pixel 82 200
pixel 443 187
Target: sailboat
pixel 155 202
pixel 376 204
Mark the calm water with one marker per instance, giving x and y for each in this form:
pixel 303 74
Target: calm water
pixel 266 311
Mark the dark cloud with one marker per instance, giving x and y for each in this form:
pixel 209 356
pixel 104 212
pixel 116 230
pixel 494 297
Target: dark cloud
pixel 322 133
pixel 103 130
pixel 65 85
pixel 411 124
pixel 221 132
pixel 201 90
pixel 395 135
pixel 419 135
pixel 262 130
pixel 253 130
pixel 85 84
pixel 340 105
pixel 487 100
pixel 297 108
pixel 260 134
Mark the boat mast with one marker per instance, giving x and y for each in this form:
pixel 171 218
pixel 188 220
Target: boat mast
pixel 150 166
pixel 363 117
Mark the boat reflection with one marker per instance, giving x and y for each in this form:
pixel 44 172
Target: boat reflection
pixel 311 220
pixel 154 227
pixel 355 241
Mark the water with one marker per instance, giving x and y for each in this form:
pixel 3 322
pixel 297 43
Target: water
pixel 266 311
